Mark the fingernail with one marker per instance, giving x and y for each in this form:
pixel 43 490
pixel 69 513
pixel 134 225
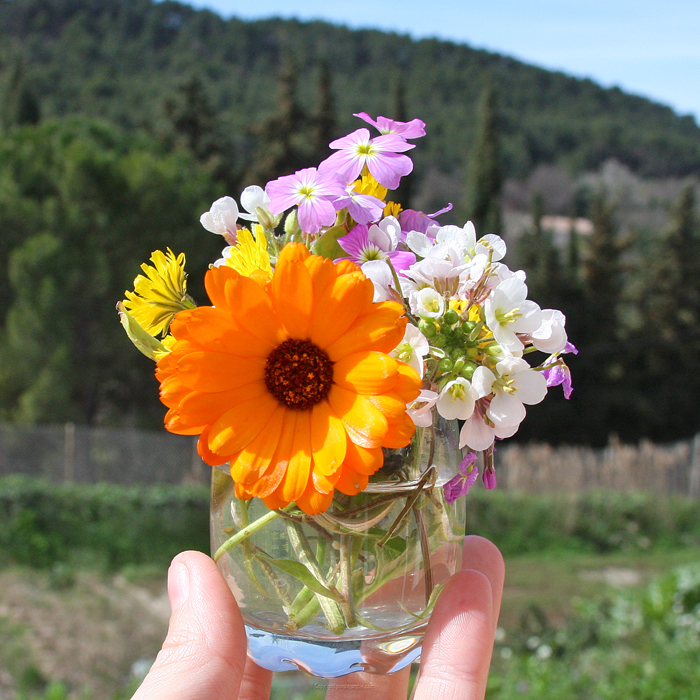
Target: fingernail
pixel 178 585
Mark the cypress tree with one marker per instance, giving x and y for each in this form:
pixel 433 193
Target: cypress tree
pixel 484 178
pixel 325 122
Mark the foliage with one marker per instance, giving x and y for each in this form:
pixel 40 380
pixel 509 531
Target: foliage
pixel 122 61
pixel 642 645
pixel 82 204
pixel 111 526
pixel 45 525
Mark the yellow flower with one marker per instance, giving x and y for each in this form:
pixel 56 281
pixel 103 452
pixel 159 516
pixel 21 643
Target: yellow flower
pixel 392 209
pixel 289 380
pixel 368 185
pixel 160 294
pixel 168 342
pixel 249 254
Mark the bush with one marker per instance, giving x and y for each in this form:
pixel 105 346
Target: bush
pixel 42 524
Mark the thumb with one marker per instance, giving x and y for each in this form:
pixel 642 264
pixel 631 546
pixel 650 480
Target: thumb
pixel 204 654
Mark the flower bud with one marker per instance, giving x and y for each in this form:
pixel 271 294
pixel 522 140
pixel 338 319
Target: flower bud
pixel 291 224
pixel 451 317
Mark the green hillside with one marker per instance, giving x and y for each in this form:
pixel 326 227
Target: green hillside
pixel 124 60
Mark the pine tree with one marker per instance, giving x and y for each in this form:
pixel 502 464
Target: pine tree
pixel 284 142
pixel 325 120
pixel 484 179
pixel 19 105
pixel 399 111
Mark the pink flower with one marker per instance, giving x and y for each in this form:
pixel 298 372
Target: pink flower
pixel 312 191
pixel 381 155
pixel 412 220
pixel 378 242
pixel 460 484
pixel 362 207
pixel 409 130
pixel 559 374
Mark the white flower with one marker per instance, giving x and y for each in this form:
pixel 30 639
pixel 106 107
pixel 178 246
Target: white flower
pixel 252 198
pixel 508 312
pixel 550 337
pixel 427 303
pixel 419 243
pixel 420 410
pixel 457 400
pixel 412 349
pixel 222 218
pixel 380 274
pixel 517 384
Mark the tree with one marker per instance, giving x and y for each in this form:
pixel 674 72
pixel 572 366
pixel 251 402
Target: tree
pixel 19 105
pixel 484 179
pixel 285 142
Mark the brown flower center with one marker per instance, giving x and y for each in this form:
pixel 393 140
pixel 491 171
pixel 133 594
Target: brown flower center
pixel 298 374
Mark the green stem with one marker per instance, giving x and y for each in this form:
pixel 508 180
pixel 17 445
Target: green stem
pixel 345 583
pixel 249 530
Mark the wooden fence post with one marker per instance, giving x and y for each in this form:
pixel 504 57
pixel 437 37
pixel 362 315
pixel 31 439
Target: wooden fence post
pixel 69 453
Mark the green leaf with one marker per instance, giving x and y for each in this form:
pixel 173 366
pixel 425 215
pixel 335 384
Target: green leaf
pixel 328 245
pixel 299 571
pixel 143 340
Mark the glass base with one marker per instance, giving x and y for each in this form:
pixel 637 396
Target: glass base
pixel 331 659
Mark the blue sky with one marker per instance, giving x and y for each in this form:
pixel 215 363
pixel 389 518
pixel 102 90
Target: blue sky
pixel 647 47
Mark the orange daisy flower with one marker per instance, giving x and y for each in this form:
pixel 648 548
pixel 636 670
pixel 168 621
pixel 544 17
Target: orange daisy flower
pixel 287 378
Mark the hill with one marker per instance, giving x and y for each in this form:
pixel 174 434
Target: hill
pixel 125 60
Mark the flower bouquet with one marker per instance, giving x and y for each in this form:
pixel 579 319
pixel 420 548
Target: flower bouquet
pixel 347 382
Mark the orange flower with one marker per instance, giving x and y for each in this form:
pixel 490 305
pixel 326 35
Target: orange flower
pixel 288 379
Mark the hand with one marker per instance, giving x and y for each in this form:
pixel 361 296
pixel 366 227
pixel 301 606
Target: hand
pixel 204 655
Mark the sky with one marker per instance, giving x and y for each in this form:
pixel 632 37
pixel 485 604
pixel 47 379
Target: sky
pixel 647 47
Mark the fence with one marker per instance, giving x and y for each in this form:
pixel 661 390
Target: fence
pixel 129 456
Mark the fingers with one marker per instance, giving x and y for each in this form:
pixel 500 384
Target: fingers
pixel 203 656
pixel 482 555
pixel 256 682
pixel 366 686
pixel 459 639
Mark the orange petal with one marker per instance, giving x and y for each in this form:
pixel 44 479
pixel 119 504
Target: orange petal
pixel 215 283
pixel 351 482
pixel 205 453
pixel 328 439
pixel 325 484
pixel 214 371
pixel 363 460
pixel 382 328
pixel 400 432
pixel 275 501
pixel 364 423
pixel 312 501
pixel 391 406
pixel 409 383
pixel 241 424
pixel 215 330
pixel 254 311
pixel 347 267
pixel 323 273
pixel 335 311
pixel 293 252
pixel 299 466
pixel 208 407
pixel 270 481
pixel 366 372
pixel 293 295
pixel 254 459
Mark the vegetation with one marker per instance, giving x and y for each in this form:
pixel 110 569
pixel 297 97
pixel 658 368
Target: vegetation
pixel 46 525
pixel 121 122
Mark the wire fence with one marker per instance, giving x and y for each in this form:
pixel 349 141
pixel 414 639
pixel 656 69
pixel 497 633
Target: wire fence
pixel 128 456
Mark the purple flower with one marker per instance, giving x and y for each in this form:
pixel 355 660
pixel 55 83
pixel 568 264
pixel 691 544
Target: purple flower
pixel 460 484
pixel 489 478
pixel 378 242
pixel 362 207
pixel 570 347
pixel 412 220
pixel 381 155
pixel 409 130
pixel 559 374
pixel 313 192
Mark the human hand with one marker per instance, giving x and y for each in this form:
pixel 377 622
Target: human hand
pixel 204 654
